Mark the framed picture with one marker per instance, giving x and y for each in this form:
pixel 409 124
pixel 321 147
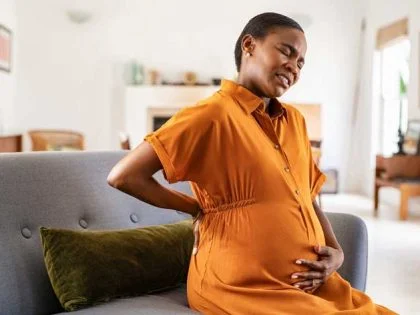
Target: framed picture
pixel 331 184
pixel 5 49
pixel 412 137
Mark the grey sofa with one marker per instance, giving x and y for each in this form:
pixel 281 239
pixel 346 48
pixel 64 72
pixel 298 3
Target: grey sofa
pixel 69 190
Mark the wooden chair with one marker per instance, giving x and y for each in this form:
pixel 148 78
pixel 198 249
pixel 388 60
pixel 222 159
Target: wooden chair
pixel 316 155
pixel 401 172
pixel 316 150
pixel 56 140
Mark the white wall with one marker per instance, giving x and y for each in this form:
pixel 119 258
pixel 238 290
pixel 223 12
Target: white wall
pixel 71 75
pixel 64 72
pixel 8 80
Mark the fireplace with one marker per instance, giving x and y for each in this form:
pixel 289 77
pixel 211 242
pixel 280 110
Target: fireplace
pixel 158 121
pixel 157 116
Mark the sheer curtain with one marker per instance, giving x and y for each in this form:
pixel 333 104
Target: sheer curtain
pixel 366 129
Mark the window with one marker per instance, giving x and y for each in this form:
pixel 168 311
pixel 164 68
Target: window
pixel 390 63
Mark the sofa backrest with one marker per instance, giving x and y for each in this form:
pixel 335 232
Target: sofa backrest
pixel 63 190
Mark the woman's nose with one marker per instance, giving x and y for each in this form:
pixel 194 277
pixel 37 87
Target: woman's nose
pixel 292 67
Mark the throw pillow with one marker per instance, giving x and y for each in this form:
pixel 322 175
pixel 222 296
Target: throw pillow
pixel 89 267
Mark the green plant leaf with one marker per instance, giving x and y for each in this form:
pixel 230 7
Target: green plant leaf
pixel 403 86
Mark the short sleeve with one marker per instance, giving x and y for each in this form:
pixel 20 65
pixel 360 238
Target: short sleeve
pixel 183 142
pixel 316 177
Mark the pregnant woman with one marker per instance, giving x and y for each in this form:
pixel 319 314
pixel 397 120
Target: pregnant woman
pixel 263 245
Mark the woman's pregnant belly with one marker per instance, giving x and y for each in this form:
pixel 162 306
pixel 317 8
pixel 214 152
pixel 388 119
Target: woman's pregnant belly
pixel 256 246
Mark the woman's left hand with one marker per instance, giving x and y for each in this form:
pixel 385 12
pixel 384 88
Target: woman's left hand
pixel 196 228
pixel 330 260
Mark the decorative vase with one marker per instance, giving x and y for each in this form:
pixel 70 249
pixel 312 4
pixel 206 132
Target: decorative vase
pixel 190 78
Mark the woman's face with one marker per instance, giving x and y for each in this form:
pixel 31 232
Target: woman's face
pixel 275 61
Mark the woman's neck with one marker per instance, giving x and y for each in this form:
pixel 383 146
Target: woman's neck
pixel 250 86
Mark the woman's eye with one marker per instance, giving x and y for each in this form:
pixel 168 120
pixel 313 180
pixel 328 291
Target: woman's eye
pixel 285 52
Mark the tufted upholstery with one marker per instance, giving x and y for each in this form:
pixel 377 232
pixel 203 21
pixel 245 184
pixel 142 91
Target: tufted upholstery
pixel 69 190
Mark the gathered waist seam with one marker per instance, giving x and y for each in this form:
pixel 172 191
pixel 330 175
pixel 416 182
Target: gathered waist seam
pixel 231 205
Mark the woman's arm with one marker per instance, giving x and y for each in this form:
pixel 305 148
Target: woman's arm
pixel 330 238
pixel 134 176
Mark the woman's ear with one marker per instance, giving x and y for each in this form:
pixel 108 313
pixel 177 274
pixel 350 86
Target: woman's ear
pixel 248 44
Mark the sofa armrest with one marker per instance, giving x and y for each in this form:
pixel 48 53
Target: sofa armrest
pixel 351 233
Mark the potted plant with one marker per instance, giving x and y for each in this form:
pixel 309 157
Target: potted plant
pixel 403 93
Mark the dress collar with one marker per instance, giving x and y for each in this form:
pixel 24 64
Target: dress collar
pixel 251 102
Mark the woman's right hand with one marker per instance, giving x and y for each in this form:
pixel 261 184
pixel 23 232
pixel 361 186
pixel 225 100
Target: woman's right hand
pixel 134 175
pixel 196 228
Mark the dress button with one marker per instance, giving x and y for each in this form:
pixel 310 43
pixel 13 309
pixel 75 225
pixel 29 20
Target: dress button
pixel 276 146
pixel 287 169
pixel 297 192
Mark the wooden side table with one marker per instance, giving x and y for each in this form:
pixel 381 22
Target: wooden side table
pixel 400 172
pixel 10 142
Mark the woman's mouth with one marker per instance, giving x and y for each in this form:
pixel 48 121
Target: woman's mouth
pixel 283 80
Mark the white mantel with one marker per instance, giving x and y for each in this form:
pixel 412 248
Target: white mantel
pixel 139 100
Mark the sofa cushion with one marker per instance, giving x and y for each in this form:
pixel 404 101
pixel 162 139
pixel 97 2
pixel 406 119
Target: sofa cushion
pixel 166 303
pixel 89 267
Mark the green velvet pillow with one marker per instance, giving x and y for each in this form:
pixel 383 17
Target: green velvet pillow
pixel 89 267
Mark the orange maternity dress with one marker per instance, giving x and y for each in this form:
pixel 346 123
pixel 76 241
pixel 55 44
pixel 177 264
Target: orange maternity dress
pixel 253 175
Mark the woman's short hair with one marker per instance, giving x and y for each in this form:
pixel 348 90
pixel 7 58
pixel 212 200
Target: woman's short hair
pixel 259 26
